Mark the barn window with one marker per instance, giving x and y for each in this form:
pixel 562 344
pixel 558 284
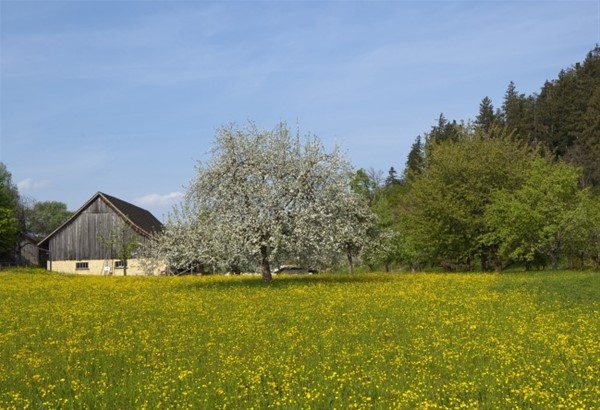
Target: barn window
pixel 81 265
pixel 120 265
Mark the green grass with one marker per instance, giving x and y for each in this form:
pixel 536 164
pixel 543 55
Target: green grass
pixel 518 340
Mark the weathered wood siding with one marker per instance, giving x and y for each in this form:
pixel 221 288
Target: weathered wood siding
pixel 80 239
pixel 29 254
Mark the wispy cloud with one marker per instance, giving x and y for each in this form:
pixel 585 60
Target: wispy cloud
pixel 159 200
pixel 30 184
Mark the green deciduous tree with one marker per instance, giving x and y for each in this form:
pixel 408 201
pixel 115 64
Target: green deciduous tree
pixel 536 219
pixel 42 218
pixel 583 246
pixel 9 214
pixel 446 205
pixel 364 185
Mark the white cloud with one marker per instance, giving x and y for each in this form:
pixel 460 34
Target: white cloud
pixel 30 183
pixel 159 200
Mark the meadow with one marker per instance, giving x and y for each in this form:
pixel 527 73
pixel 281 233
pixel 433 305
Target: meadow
pixel 413 341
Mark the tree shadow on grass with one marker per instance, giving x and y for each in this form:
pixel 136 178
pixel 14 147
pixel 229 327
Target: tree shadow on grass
pixel 282 281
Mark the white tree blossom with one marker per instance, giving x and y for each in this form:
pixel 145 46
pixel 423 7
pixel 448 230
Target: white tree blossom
pixel 266 196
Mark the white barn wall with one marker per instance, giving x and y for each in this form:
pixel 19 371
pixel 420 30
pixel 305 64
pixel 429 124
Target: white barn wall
pixel 96 267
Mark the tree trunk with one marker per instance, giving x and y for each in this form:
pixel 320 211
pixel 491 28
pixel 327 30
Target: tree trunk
pixel 350 261
pixel 554 261
pixel 483 258
pixel 498 264
pixel 265 265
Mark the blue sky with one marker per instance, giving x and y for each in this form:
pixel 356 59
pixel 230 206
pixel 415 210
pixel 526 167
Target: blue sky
pixel 124 97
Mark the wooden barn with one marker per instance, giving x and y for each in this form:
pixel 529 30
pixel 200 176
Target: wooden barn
pixel 91 241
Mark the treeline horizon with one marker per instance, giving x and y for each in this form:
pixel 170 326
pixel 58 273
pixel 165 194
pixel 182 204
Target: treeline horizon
pixel 519 185
pixel 563 119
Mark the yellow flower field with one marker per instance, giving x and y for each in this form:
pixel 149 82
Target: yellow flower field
pixel 424 341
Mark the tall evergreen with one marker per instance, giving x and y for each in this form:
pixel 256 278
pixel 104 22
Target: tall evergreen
pixel 415 162
pixel 585 152
pixel 562 119
pixel 392 178
pixel 486 117
pixel 562 104
pixel 512 111
pixel 443 131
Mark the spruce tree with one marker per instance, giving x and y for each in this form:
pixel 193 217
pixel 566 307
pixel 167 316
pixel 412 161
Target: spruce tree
pixel 511 108
pixel 392 178
pixel 486 117
pixel 415 162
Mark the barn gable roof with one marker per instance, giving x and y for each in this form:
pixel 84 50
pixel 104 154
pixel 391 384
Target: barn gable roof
pixel 138 217
pixel 141 220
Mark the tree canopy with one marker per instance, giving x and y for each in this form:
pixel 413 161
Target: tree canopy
pixel 267 196
pixel 9 214
pixel 518 185
pixel 44 217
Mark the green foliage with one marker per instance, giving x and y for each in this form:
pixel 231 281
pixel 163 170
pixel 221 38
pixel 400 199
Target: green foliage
pixel 9 221
pixel 44 217
pixel 8 232
pixel 380 246
pixel 512 110
pixel 446 205
pixel 537 213
pixel 392 178
pixel 586 150
pixel 415 163
pixel 563 104
pixel 383 250
pixel 443 131
pixel 486 118
pixel 536 219
pixel 564 117
pixel 584 230
pixel 363 185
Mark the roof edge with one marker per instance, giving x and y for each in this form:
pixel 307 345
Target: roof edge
pixel 125 217
pixel 81 208
pixel 115 208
